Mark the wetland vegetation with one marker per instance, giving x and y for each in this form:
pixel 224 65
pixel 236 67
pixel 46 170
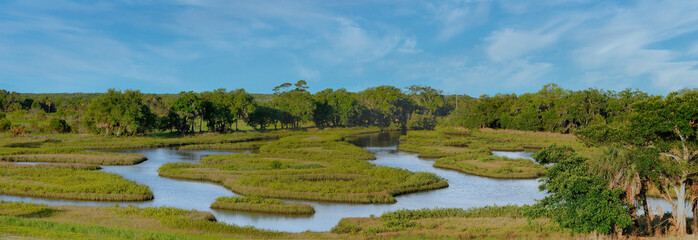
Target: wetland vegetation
pixel 314 165
pixel 618 148
pixel 262 205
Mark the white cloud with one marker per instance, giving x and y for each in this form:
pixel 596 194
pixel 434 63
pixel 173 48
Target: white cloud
pixel 456 16
pixel 458 72
pixel 353 43
pixel 409 46
pixel 510 44
pixel 75 57
pixel 308 74
pixel 622 44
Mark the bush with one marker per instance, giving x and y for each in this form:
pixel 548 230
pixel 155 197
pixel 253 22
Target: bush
pixel 59 125
pixel 17 130
pixel 5 125
pixel 421 122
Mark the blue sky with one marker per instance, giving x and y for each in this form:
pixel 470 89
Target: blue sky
pixel 473 47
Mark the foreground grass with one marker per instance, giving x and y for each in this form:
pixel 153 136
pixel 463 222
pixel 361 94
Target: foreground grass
pixel 314 165
pixel 75 182
pixel 71 222
pixel 470 151
pixel 262 205
pixel 503 222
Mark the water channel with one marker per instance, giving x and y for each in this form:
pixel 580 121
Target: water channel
pixel 464 191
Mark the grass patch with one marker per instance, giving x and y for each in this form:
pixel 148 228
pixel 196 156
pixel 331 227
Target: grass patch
pixel 470 151
pixel 262 205
pixel 69 183
pixel 498 222
pixel 225 146
pixel 20 209
pixel 73 222
pixel 316 165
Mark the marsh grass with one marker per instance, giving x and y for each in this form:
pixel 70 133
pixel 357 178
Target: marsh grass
pixel 225 146
pixel 70 183
pixel 316 165
pixel 262 205
pixel 72 148
pixel 21 209
pixel 492 222
pixel 72 177
pixel 79 166
pixel 469 151
pixel 116 222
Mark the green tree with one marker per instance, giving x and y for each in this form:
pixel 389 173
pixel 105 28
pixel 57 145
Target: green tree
pixel 578 198
pixel 666 126
pixel 186 107
pixel 386 105
pixel 428 99
pixel 263 116
pixel 59 125
pixel 298 104
pixel 242 104
pixel 116 112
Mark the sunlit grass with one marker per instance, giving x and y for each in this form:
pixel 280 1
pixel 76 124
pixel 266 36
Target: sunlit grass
pixel 262 205
pixel 315 165
pixel 70 183
pixel 470 151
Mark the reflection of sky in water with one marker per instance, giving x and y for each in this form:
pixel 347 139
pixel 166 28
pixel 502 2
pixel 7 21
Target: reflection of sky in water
pixel 514 155
pixel 464 191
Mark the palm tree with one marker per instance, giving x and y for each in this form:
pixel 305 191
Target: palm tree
pixel 622 170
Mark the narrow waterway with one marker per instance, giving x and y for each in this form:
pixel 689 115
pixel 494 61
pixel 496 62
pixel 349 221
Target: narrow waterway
pixel 464 191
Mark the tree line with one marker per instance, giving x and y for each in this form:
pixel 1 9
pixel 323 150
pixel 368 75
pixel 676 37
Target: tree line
pixel 551 109
pixel 291 106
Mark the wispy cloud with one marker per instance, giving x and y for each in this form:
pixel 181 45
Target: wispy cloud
pixel 456 16
pixel 477 46
pixel 623 44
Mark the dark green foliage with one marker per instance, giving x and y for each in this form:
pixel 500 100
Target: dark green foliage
pixel 579 199
pixel 185 109
pixel 9 100
pixel 550 109
pixel 5 125
pixel 262 116
pixel 59 125
pixel 385 105
pixel 120 113
pixel 297 104
pixel 421 122
pixel 430 101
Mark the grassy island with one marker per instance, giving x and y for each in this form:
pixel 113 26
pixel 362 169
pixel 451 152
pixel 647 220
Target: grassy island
pixel 315 166
pixel 74 182
pixel 470 151
pixel 262 205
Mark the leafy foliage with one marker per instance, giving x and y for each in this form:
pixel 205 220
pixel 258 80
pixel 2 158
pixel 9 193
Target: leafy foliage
pixel 579 199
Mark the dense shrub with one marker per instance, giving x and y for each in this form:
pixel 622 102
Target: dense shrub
pixel 5 125
pixel 59 125
pixel 421 122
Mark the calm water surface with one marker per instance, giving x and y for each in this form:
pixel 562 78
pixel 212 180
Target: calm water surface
pixel 464 191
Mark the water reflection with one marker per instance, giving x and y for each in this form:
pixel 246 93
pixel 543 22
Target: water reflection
pixel 514 154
